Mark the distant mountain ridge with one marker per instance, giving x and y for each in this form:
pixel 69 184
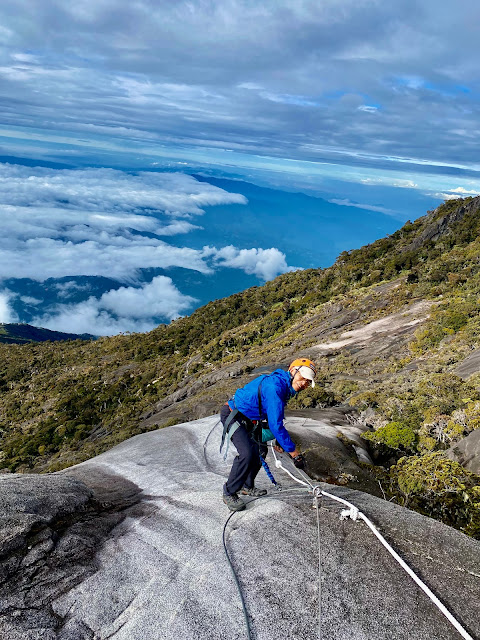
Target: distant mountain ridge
pixel 20 333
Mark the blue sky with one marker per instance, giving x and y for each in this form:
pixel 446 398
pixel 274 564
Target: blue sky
pixel 369 106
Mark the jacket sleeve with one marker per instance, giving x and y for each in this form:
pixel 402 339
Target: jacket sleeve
pixel 273 402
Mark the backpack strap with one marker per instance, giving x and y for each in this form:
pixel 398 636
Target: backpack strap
pixel 229 428
pixel 265 434
pixel 234 420
pixel 259 394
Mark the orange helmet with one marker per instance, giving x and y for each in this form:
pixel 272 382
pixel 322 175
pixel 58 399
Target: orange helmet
pixel 306 368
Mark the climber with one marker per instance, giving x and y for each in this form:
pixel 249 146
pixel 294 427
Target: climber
pixel 261 401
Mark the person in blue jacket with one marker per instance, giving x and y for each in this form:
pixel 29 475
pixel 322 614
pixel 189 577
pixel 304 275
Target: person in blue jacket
pixel 262 399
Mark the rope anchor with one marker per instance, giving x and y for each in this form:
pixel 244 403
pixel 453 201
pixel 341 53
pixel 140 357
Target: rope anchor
pixel 351 513
pixel 317 495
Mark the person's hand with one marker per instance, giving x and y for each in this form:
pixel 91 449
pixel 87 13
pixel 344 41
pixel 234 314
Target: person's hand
pixel 299 461
pixel 278 448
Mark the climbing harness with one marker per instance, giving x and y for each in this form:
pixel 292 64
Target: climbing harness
pixel 259 433
pixel 258 429
pixel 236 418
pixel 232 423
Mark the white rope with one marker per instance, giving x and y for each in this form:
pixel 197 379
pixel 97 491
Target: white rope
pixel 316 496
pixel 354 513
pixel 279 465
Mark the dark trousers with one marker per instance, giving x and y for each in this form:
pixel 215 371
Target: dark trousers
pixel 247 463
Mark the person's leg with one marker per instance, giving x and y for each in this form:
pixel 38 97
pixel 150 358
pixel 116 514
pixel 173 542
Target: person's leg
pixel 246 463
pixel 249 488
pixel 255 467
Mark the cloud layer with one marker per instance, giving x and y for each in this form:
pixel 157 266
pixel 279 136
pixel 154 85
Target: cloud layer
pixel 121 310
pixel 109 223
pixel 263 263
pixel 99 222
pixel 341 80
pixel 6 312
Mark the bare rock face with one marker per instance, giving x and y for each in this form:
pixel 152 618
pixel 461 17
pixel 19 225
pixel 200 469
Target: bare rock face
pixel 333 446
pixel 469 366
pixel 381 336
pixel 128 546
pixel 50 529
pixel 467 452
pixel 441 226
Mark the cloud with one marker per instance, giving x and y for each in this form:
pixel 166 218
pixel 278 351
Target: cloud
pixel 264 263
pixel 120 258
pixel 159 298
pixel 70 288
pixel 110 191
pixel 99 222
pixel 348 203
pixel 123 74
pixel 6 312
pixel 111 224
pixel 105 222
pixel 405 184
pixel 454 194
pixel 135 309
pixel 367 108
pixel 30 300
pixel 445 196
pixel 463 191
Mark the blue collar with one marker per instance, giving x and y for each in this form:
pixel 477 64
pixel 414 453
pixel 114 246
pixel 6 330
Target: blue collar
pixel 288 378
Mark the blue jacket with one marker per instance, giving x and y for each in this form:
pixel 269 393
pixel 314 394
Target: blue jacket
pixel 276 390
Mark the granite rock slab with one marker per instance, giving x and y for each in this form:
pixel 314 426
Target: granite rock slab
pixel 149 517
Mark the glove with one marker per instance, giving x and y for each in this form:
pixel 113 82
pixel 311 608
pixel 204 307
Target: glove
pixel 299 462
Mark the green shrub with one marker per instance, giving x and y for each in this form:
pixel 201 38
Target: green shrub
pixel 171 422
pixel 440 488
pixel 343 388
pixel 439 392
pixel 364 400
pixel 394 435
pixel 310 398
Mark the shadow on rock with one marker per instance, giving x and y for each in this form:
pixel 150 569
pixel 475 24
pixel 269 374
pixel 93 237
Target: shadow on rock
pixel 51 527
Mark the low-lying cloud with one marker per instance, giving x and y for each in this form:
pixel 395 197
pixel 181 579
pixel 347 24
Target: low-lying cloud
pixel 454 194
pixel 110 193
pixel 112 224
pixel 120 310
pixel 6 312
pixel 264 263
pixel 105 222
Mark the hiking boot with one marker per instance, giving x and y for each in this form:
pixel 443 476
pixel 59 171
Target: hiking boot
pixel 233 502
pixel 253 492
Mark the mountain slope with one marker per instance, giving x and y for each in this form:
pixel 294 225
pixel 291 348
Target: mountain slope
pixel 62 403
